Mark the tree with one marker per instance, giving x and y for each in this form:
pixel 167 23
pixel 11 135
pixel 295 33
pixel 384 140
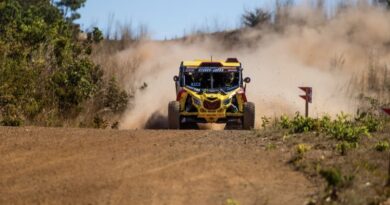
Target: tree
pixel 383 2
pixel 255 18
pixel 43 67
pixel 71 6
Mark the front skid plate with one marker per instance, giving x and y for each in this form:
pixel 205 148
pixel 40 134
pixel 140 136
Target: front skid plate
pixel 211 114
pixel 189 119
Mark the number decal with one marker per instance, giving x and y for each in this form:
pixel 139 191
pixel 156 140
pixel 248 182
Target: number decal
pixel 195 84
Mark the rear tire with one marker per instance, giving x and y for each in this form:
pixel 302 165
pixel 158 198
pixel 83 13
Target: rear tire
pixel 248 121
pixel 174 115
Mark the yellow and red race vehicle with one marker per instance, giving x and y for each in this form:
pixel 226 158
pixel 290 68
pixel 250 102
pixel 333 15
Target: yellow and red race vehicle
pixel 211 92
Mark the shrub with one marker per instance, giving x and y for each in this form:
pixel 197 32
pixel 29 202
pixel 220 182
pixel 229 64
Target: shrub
pixel 335 179
pixel 95 36
pixel 302 149
pixel 382 146
pixel 344 146
pixel 115 98
pixel 343 129
pixel 372 122
pixel 332 176
pixel 44 68
pixel 285 122
pixel 299 123
pixel 11 116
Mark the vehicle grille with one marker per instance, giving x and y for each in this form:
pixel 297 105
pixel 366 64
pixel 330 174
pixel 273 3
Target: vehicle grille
pixel 212 105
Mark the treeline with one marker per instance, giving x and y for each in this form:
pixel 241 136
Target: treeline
pixel 260 17
pixel 46 72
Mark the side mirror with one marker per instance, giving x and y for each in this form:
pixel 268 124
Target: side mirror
pixel 247 80
pixel 176 78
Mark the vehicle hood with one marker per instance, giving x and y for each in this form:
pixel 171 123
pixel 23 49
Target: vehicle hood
pixel 212 94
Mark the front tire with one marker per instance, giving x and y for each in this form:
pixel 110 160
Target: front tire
pixel 174 115
pixel 248 121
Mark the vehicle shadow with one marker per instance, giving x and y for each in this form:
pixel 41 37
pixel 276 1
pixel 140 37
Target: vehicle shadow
pixel 157 121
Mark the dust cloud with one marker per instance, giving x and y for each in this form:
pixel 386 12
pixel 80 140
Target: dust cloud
pixel 311 49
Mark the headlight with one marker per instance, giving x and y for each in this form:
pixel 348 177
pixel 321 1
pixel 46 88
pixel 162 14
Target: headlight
pixel 196 101
pixel 227 101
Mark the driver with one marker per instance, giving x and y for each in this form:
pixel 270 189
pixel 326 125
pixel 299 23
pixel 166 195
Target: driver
pixel 229 80
pixel 196 79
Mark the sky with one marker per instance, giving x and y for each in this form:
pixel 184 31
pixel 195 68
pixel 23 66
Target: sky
pixel 167 19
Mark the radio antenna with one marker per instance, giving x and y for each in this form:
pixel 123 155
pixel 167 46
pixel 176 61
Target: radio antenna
pixel 211 58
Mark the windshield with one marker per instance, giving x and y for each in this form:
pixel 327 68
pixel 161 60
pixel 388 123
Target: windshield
pixel 215 81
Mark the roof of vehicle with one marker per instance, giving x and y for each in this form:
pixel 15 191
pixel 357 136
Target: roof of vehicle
pixel 231 62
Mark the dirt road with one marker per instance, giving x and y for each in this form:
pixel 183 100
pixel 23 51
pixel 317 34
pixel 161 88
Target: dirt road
pixel 82 166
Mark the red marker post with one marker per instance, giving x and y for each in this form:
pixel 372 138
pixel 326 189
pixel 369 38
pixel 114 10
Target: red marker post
pixel 308 97
pixel 386 110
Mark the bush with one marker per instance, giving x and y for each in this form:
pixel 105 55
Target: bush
pixel 285 122
pixel 335 181
pixel 382 146
pixel 299 124
pixel 115 98
pixel 332 176
pixel 95 36
pixel 302 149
pixel 344 129
pixel 44 67
pixel 344 146
pixel 11 116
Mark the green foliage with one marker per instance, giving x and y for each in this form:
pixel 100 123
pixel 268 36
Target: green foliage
pixel 372 122
pixel 299 124
pixel 382 146
pixel 232 202
pixel 11 117
pixel 96 35
pixel 285 122
pixel 344 146
pixel 332 176
pixel 335 179
pixel 343 129
pixel 70 6
pixel 73 85
pixel 44 68
pixel 301 149
pixel 115 98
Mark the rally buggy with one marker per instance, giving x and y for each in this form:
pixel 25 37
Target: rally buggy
pixel 211 92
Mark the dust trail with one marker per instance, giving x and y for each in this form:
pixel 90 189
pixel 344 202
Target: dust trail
pixel 310 50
